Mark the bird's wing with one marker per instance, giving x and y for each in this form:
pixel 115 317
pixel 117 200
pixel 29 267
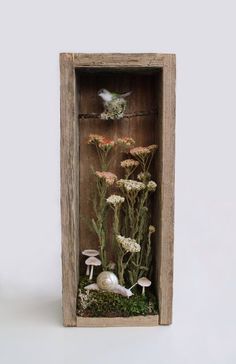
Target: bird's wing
pixel 115 95
pixel 125 94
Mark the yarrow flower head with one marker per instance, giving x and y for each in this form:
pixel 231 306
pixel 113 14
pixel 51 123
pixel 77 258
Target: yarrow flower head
pixel 125 142
pixel 128 244
pixel 152 147
pixel 151 229
pixel 151 186
pixel 101 142
pixel 106 144
pixel 129 163
pixel 144 176
pixel 130 185
pixel 95 139
pixel 140 152
pixel 110 178
pixel 115 200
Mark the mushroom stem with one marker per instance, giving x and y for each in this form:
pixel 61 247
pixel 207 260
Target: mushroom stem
pixel 91 273
pixel 87 270
pixel 143 291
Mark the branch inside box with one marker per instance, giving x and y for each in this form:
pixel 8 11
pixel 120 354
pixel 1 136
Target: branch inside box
pixel 95 115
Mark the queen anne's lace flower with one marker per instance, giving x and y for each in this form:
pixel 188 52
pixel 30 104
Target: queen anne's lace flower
pixel 115 200
pixel 130 185
pixel 109 177
pixel 151 186
pixel 128 244
pixel 129 163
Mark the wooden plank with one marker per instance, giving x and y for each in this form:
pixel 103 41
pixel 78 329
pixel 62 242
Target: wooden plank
pixel 69 190
pixel 165 247
pixel 118 60
pixel 133 321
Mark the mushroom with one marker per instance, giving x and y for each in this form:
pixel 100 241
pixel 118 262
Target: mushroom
pixel 92 261
pixel 144 282
pixel 89 253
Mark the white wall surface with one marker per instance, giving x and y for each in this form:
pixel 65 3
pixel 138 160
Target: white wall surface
pixel 202 34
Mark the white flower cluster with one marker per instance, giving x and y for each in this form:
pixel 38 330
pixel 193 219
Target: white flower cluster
pixel 151 186
pixel 115 200
pixel 130 185
pixel 128 244
pixel 144 176
pixel 151 229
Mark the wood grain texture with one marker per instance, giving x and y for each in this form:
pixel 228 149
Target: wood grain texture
pixel 155 90
pixel 118 60
pixel 140 128
pixel 167 178
pixel 134 321
pixel 69 189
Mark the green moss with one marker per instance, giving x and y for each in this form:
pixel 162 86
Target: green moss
pixel 114 109
pixel 107 304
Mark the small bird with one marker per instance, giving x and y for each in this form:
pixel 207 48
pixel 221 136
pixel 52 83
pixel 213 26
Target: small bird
pixel 108 96
pixel 114 104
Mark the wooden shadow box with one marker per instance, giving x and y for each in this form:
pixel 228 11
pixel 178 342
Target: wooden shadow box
pixel 149 118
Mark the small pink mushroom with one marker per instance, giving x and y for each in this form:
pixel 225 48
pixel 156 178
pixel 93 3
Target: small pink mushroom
pixel 92 262
pixel 89 253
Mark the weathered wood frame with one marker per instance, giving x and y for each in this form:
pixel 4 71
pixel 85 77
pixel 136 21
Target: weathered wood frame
pixel 69 62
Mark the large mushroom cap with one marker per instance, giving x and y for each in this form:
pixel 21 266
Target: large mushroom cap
pixel 93 261
pixel 144 282
pixel 90 252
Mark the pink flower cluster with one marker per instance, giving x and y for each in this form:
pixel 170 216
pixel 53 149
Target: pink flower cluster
pixel 125 142
pixel 95 139
pixel 140 151
pixel 110 178
pixel 129 163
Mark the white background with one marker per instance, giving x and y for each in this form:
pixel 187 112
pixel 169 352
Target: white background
pixel 202 34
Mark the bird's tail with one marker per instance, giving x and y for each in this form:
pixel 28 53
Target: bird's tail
pixel 125 94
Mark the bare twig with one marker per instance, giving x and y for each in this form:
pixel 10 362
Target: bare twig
pixel 95 115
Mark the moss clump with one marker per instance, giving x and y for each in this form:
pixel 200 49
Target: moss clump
pixel 114 109
pixel 107 304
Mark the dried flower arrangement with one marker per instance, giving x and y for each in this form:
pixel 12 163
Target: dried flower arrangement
pixel 131 232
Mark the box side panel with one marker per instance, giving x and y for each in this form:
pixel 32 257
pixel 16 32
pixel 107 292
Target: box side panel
pixel 167 170
pixel 69 190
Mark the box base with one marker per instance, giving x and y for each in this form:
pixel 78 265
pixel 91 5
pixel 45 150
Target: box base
pixel 151 320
